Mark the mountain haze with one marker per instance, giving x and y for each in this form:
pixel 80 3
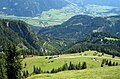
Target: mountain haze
pixel 29 8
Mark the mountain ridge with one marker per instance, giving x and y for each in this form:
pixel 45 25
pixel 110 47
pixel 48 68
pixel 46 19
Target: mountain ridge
pixel 81 25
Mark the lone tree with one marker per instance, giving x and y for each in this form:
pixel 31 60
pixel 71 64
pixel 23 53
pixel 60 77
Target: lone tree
pixel 101 65
pixel 84 65
pixel 117 64
pixel 113 56
pixel 13 59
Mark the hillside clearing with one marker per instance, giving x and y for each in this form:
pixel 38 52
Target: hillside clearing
pixel 41 61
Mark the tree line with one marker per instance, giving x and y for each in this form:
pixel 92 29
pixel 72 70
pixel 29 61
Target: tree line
pixel 70 66
pixel 109 63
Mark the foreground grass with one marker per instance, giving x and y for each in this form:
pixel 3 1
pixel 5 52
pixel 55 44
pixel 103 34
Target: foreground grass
pixel 95 73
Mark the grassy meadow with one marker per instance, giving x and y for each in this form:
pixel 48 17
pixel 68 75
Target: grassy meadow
pixel 95 73
pixel 92 72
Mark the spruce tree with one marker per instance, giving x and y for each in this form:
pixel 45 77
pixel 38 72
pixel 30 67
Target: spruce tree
pixel 84 65
pixel 113 56
pixel 103 61
pixel 14 67
pixel 113 63
pixel 79 66
pixel 34 71
pixel 53 70
pixel 101 65
pixel 27 73
pixel 65 67
pixel 71 66
pixel 3 69
pixel 117 64
pixel 25 64
pixel 106 62
pixel 110 63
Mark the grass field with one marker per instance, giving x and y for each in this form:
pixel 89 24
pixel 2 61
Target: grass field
pixel 41 61
pixel 95 73
pixel 111 39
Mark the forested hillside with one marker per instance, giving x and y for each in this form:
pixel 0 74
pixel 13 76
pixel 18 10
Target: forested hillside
pixel 81 25
pixel 18 32
pixel 80 32
pixel 102 42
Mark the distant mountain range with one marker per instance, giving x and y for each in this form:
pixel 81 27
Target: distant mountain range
pixel 97 2
pixel 44 13
pixel 29 7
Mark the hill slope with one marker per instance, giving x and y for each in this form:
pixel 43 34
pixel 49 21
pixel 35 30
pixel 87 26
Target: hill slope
pixel 81 25
pixel 102 42
pixel 99 73
pixel 17 32
pixel 20 33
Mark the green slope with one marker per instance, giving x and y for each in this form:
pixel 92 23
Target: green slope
pixel 96 73
pixel 41 61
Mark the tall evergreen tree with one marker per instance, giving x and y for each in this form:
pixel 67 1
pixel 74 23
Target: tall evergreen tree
pixel 106 62
pixel 53 70
pixel 65 67
pixel 117 64
pixel 84 65
pixel 78 66
pixel 113 56
pixel 110 63
pixel 113 63
pixel 34 71
pixel 101 65
pixel 13 59
pixel 70 66
pixel 3 74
